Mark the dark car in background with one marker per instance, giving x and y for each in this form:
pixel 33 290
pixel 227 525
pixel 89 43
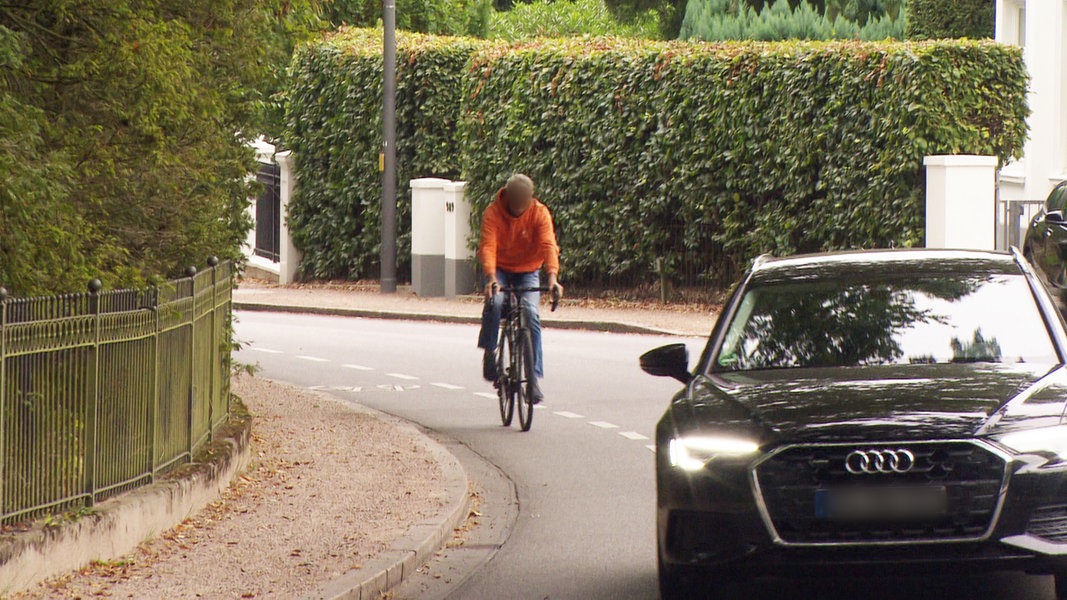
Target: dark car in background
pixel 1045 245
pixel 882 411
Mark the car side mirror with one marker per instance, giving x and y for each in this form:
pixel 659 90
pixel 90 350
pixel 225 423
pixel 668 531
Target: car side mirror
pixel 668 361
pixel 1055 216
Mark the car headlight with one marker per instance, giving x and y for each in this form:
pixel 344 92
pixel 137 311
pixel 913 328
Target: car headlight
pixel 693 453
pixel 1046 440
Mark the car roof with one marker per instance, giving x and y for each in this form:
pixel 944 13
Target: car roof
pixel 913 262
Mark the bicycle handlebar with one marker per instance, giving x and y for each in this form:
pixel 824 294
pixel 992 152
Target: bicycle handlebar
pixel 522 290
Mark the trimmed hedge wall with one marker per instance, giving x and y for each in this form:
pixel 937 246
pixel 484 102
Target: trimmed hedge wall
pixel 334 128
pixel 937 19
pixel 653 150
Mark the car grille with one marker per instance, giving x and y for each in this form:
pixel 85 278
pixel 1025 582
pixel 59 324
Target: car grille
pixel 1050 523
pixel 971 475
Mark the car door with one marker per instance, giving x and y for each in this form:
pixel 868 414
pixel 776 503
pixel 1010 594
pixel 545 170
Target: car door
pixel 1051 251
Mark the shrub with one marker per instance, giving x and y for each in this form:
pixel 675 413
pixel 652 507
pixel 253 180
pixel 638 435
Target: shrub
pixel 651 151
pixel 334 129
pixel 446 17
pixel 711 20
pixel 558 18
pixel 117 133
pixel 935 19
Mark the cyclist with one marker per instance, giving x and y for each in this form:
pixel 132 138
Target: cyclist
pixel 517 240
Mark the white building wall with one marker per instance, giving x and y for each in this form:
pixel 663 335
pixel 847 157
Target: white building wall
pixel 1039 26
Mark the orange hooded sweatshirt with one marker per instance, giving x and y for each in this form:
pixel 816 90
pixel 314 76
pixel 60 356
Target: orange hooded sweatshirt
pixel 518 244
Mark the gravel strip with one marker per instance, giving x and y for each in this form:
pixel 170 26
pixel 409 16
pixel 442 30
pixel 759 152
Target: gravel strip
pixel 330 487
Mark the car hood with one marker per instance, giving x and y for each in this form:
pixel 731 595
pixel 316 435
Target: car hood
pixel 887 403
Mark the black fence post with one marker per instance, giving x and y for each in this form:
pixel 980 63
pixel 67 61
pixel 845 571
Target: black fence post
pixel 213 262
pixel 190 272
pixel 154 400
pixel 3 393
pixel 93 411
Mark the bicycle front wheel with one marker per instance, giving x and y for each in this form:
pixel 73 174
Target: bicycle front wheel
pixel 525 375
pixel 504 388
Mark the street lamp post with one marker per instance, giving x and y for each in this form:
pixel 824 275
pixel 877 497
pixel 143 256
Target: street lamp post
pixel 388 158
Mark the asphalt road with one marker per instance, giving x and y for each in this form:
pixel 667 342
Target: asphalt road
pixel 583 475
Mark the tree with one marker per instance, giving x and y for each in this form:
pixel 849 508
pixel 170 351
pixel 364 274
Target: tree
pixel 124 122
pixel 445 17
pixel 793 19
pixel 933 19
pixel 561 18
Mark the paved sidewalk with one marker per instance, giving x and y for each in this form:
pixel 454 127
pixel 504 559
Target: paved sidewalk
pixel 628 317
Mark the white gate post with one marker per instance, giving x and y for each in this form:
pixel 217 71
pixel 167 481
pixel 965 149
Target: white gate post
pixel 288 254
pixel 961 209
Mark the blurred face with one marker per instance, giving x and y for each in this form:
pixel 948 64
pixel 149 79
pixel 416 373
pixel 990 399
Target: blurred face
pixel 519 199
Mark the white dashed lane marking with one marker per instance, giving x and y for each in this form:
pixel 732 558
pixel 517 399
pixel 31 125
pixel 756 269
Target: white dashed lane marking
pixel 448 386
pixel 568 414
pixel 564 413
pixel 313 358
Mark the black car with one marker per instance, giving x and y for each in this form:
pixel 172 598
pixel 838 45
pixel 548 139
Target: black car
pixel 882 410
pixel 1045 245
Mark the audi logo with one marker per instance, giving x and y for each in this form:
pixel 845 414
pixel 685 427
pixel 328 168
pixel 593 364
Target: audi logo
pixel 870 462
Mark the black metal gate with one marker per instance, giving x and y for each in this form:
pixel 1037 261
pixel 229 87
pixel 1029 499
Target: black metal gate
pixel 269 213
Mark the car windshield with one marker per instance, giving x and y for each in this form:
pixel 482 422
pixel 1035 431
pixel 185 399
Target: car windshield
pixel 887 321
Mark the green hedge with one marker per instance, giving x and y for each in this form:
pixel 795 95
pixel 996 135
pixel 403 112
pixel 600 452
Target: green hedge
pixel 702 155
pixel 938 19
pixel 334 129
pixel 652 150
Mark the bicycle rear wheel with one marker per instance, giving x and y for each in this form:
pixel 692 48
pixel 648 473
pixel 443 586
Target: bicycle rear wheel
pixel 525 376
pixel 504 388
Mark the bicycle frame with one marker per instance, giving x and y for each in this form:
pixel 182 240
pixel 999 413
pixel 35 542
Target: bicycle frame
pixel 511 313
pixel 514 383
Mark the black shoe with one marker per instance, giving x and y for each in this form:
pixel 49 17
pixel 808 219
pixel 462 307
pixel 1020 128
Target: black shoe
pixel 489 367
pixel 538 395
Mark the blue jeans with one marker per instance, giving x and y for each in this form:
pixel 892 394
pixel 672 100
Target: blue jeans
pixel 490 332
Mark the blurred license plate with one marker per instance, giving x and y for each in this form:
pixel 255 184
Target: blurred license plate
pixel 881 503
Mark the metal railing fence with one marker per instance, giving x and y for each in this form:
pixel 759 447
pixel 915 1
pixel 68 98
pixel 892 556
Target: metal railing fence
pixel 1013 219
pixel 102 392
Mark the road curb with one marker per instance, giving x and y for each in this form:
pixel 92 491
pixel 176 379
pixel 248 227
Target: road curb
pixel 602 326
pixel 421 541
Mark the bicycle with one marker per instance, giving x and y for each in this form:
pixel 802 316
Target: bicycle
pixel 515 358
